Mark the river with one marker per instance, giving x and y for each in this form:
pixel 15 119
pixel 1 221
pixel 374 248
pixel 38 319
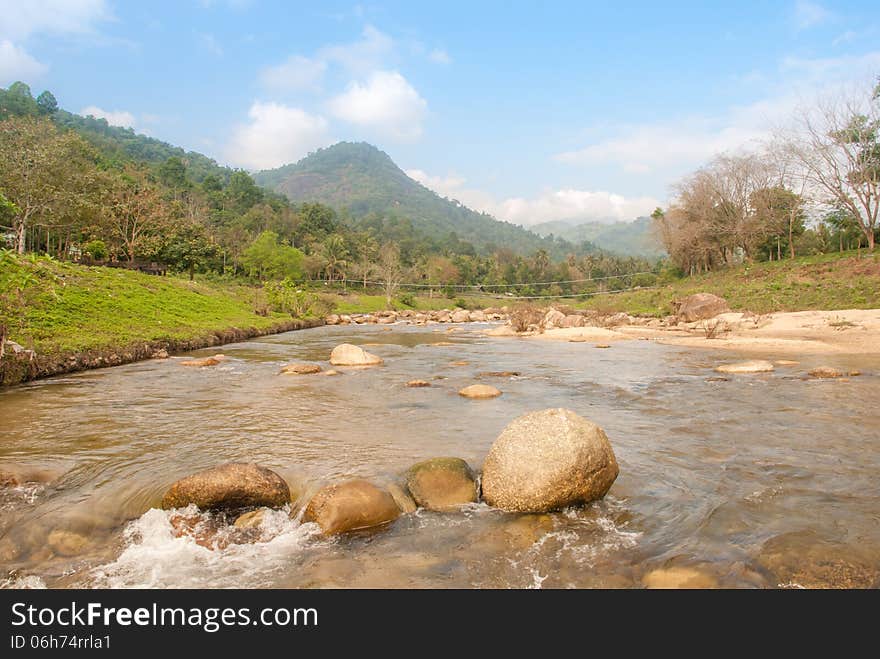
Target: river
pixel 764 480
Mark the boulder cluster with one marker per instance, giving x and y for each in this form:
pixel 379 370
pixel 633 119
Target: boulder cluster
pixel 541 462
pixel 412 317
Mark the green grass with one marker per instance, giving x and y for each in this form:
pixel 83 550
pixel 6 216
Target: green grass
pixel 827 281
pixel 72 308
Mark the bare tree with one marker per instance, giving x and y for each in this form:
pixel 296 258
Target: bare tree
pixel 390 270
pixel 836 148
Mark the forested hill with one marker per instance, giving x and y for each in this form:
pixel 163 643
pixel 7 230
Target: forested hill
pixel 121 145
pixel 364 182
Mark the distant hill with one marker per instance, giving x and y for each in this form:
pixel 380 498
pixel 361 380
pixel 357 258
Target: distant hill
pixel 362 180
pixel 629 238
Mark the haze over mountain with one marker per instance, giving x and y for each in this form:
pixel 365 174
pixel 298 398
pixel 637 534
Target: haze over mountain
pixel 634 238
pixel 362 180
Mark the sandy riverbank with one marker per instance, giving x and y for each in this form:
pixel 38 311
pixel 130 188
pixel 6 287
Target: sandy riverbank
pixel 849 331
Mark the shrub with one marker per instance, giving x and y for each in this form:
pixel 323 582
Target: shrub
pixel 407 299
pixel 97 249
pixel 286 297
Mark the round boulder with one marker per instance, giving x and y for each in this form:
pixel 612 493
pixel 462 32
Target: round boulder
pixel 700 306
pixel 347 354
pixel 752 366
pixel 229 486
pixel 442 483
pixel 479 391
pixel 548 460
pixel 349 506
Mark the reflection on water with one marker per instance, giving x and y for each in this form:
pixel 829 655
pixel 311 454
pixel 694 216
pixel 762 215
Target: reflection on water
pixel 758 480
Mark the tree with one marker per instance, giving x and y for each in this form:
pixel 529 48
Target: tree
pixel 335 254
pixel 50 176
pixel 17 101
pixel 190 247
pixel 136 212
pixel 46 103
pixel 836 148
pixel 270 259
pixel 367 249
pixel 390 270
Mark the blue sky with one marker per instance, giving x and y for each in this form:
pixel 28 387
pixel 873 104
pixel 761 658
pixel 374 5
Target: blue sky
pixel 531 111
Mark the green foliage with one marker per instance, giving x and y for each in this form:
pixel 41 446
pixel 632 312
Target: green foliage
pixel 46 103
pixel 407 299
pixel 189 248
pixel 286 296
pixel 97 249
pixel 267 258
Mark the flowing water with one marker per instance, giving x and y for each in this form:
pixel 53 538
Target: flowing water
pixel 759 480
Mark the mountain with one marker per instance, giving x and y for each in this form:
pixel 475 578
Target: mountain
pixel 363 181
pixel 634 238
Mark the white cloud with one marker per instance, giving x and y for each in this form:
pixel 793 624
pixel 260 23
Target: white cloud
pixel 276 135
pixel 360 56
pixel 295 73
pixel 385 102
pixel 565 204
pixel 23 18
pixel 439 56
pixel 113 117
pixel 17 64
pixel 809 14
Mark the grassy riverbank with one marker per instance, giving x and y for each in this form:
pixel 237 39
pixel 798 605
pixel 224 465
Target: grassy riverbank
pixel 77 317
pixel 825 282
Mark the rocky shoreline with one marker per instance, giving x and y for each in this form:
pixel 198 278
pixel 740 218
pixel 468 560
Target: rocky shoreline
pixel 19 365
pixel 412 317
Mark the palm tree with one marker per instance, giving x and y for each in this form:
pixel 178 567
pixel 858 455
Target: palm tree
pixel 335 254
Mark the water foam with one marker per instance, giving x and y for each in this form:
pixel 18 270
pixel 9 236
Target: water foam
pixel 156 557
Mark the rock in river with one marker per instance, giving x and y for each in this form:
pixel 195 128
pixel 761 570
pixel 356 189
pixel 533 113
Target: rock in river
pixel 207 361
pixel 547 460
pixel 679 577
pixel 752 366
pixel 347 354
pixel 300 369
pixel 826 372
pixel 351 505
pixel 479 391
pixel 231 485
pixel 442 483
pixel 418 383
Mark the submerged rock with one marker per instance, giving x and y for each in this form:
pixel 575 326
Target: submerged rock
pixel 347 354
pixel 300 369
pixel 351 505
pixel 67 543
pixel 679 578
pixel 826 372
pixel 228 486
pixel 548 460
pixel 479 391
pixel 251 520
pixel 700 306
pixel 498 374
pixel 418 383
pixel 207 361
pixel 442 484
pixel 751 366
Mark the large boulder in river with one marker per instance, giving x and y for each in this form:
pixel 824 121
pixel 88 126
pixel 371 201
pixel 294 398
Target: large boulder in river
pixel 229 486
pixel 700 306
pixel 460 316
pixel 347 354
pixel 442 483
pixel 300 369
pixel 349 506
pixel 547 460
